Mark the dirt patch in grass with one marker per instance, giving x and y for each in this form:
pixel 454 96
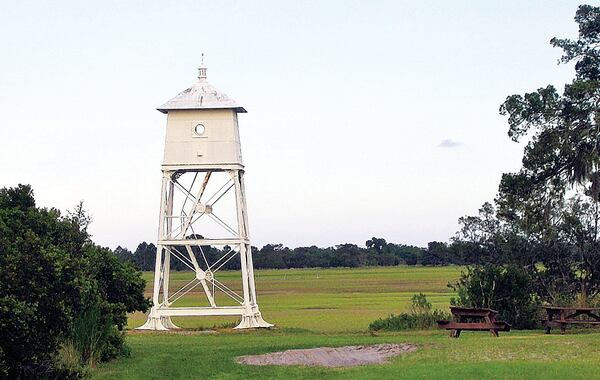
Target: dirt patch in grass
pixel 348 356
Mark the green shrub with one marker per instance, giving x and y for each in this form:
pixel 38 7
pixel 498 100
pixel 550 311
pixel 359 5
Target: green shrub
pixel 507 289
pixel 93 339
pixel 90 335
pixel 68 364
pixel 420 317
pixel 52 278
pixel 419 304
pixel 3 366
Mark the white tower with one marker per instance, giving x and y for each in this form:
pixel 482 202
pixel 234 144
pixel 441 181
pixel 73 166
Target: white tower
pixel 203 220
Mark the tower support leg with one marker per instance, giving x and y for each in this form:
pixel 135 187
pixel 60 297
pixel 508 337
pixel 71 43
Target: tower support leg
pixel 162 269
pixel 252 317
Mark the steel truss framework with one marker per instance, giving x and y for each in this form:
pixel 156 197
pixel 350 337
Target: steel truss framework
pixel 183 205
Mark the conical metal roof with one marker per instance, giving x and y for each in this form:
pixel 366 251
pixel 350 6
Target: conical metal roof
pixel 201 95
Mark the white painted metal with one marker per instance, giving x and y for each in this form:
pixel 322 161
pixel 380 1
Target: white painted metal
pixel 219 145
pixel 202 153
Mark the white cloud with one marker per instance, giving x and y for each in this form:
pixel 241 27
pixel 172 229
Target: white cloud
pixel 449 143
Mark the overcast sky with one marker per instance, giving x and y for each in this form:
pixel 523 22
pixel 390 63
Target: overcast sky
pixel 365 118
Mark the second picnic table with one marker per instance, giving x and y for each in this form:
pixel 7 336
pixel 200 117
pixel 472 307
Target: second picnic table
pixel 474 319
pixel 563 316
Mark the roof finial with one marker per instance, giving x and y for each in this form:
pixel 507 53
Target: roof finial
pixel 202 70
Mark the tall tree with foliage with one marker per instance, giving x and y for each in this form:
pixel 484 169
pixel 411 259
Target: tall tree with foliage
pixel 543 232
pixel 57 287
pixel 501 276
pixel 561 158
pixel 564 129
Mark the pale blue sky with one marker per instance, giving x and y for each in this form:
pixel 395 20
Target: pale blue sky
pixel 366 118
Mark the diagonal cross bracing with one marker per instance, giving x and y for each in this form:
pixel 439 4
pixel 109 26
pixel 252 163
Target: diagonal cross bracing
pixel 200 278
pixel 221 258
pixel 181 292
pixel 221 223
pixel 232 254
pixel 187 219
pixel 180 256
pixel 229 183
pixel 186 198
pixel 233 295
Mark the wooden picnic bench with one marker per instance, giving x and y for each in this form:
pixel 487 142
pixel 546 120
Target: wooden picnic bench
pixel 473 319
pixel 563 316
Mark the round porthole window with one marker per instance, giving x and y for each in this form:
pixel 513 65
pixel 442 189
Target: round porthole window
pixel 199 129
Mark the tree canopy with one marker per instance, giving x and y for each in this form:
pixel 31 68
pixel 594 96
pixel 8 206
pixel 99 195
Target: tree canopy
pixel 542 230
pixel 51 274
pixel 564 128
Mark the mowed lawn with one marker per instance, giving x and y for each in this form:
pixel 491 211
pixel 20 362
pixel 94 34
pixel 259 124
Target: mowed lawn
pixel 333 307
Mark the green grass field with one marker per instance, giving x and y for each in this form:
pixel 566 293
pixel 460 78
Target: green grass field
pixel 333 307
pixel 319 299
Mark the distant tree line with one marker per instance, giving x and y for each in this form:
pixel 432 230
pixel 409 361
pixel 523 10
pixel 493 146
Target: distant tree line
pixel 376 252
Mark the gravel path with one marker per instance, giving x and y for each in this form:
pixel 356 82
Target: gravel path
pixel 348 356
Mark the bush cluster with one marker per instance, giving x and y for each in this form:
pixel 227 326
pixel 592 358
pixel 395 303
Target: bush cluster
pixel 507 289
pixel 420 317
pixel 63 300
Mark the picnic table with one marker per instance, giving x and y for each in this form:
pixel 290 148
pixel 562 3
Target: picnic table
pixel 473 319
pixel 563 316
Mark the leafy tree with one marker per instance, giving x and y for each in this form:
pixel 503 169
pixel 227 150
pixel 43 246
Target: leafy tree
pixel 437 253
pixel 272 256
pixel 563 128
pixel 382 253
pixel 349 255
pixel 541 242
pixel 50 275
pixel 39 267
pixel 124 254
pixel 573 267
pixel 377 244
pixel 506 288
pixel 505 270
pixel 406 254
pixel 561 158
pixel 490 239
pixel 145 256
pixel 119 286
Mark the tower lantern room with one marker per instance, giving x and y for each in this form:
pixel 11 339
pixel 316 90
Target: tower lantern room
pixel 202 127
